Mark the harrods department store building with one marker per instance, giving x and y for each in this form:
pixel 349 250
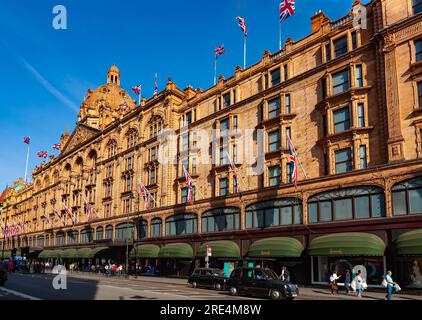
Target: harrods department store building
pixel 351 100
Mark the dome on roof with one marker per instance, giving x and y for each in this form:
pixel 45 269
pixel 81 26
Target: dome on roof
pixel 114 68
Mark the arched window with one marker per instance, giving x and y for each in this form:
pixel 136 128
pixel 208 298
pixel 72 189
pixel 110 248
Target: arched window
pixel 46 182
pixel 407 197
pixel 37 185
pixel 221 219
pixel 132 136
pixel 156 228
pixel 86 236
pixel 124 231
pixel 181 224
pixel 142 229
pixel 347 204
pixel 56 176
pixel 274 213
pixel 111 148
pixel 60 239
pixel 100 233
pixel 72 237
pixel 109 233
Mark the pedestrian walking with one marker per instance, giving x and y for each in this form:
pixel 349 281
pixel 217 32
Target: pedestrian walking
pixel 360 283
pixel 347 281
pixel 285 274
pixel 390 284
pixel 333 282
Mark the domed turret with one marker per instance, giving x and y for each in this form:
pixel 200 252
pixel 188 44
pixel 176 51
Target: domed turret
pixel 113 75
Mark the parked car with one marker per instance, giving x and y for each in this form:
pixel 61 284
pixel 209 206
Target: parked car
pixel 259 282
pixel 3 274
pixel 208 277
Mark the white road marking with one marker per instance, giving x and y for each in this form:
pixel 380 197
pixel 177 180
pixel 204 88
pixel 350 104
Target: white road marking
pixel 19 294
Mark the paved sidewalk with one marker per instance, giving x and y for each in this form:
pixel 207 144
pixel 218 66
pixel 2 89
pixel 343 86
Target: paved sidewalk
pixel 309 292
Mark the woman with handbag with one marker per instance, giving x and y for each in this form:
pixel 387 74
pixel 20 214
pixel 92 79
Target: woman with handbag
pixel 359 283
pixel 333 282
pixel 388 280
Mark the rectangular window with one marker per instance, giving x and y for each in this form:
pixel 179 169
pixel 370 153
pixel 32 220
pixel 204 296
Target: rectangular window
pixel 420 94
pixel 235 122
pixel 354 40
pixel 418 50
pixel 152 176
pixel 193 165
pixel 417 6
pixel 273 108
pixel 185 142
pixel 223 156
pixel 325 211
pixel 274 141
pixel 185 195
pixel 327 52
pixel 288 173
pixel 288 136
pixel 344 160
pixel 275 77
pixel 226 100
pixel 362 156
pixel 361 115
pixel 188 118
pixel 129 163
pixel 224 124
pixel 194 139
pixel 234 154
pixel 274 174
pixel 340 47
pixel 324 87
pixel 343 209
pixel 341 81
pixel 154 153
pixel 287 104
pixel 128 183
pixel 324 125
pixel 224 187
pixel 286 72
pixel 341 120
pixel 359 76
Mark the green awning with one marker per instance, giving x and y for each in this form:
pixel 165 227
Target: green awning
pixel 409 243
pixel 220 249
pixel 276 247
pixel 68 253
pixel 176 250
pixel 347 244
pixel 145 251
pixel 99 251
pixel 45 254
pixel 83 253
pixel 6 254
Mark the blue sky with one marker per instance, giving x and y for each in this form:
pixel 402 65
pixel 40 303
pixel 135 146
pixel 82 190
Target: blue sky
pixel 45 72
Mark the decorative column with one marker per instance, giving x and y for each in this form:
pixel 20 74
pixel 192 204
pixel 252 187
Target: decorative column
pixel 395 137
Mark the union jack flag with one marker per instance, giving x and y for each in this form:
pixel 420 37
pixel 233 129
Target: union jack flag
pixel 145 196
pixel 137 89
pixel 69 212
pixel 287 9
pixel 155 84
pixel 26 140
pixel 242 24
pixel 88 210
pixel 233 170
pixel 42 154
pixel 219 51
pixel 189 185
pixel 57 146
pixel 293 162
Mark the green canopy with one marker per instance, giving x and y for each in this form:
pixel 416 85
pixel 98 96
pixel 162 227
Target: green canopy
pixel 220 249
pixel 45 254
pixel 145 251
pixel 83 253
pixel 69 253
pixel 347 244
pixel 276 247
pixel 6 254
pixel 409 243
pixel 98 251
pixel 176 250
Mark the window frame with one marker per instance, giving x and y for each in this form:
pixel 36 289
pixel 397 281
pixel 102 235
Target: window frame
pixel 342 162
pixel 341 84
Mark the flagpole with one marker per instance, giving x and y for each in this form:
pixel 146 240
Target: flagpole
pixel 215 69
pixel 279 36
pixel 244 52
pixel 26 165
